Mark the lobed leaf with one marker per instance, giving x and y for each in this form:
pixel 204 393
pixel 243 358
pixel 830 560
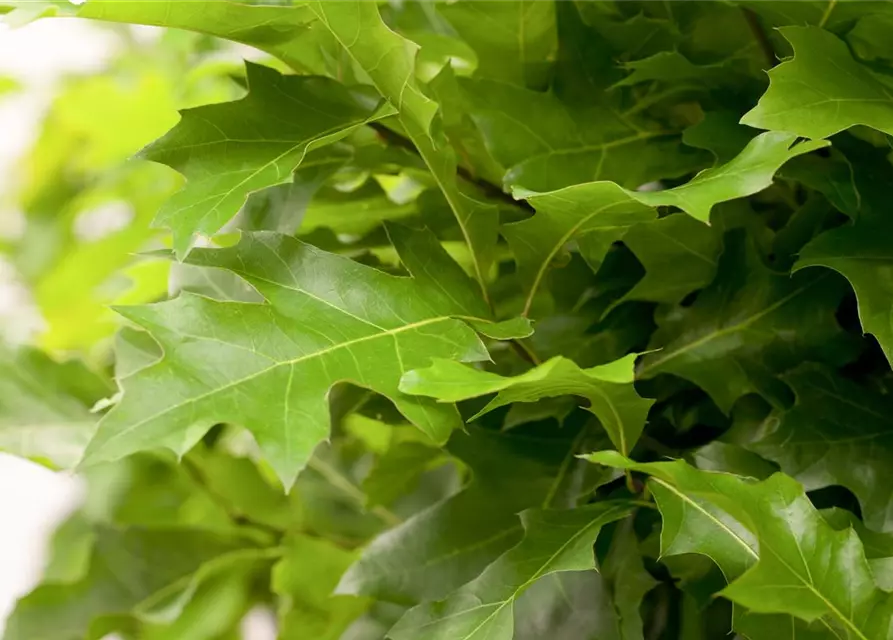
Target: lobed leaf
pixel 269 367
pixel 778 553
pixel 554 541
pixel 608 388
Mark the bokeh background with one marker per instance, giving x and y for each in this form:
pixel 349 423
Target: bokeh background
pixel 75 209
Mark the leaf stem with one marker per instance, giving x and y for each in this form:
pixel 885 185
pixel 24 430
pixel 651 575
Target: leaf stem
pixel 488 188
pixel 337 480
pixel 759 33
pixel 197 475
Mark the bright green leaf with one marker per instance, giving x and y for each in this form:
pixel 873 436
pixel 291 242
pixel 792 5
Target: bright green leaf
pixel 608 388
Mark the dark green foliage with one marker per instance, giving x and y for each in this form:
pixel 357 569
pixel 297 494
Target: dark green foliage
pixel 562 320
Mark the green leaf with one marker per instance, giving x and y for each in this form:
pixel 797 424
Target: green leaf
pixel 601 209
pixel 547 144
pixel 672 67
pixel 126 568
pixel 749 323
pixel 586 604
pixel 878 546
pixel 599 213
pixel 608 388
pixel 677 245
pixel 747 173
pixel 823 90
pixel 448 544
pixel 398 470
pixel 836 18
pixel 326 319
pixel 514 40
pixel 305 579
pixel 776 550
pixel 250 144
pixel 837 432
pixel 281 31
pixel 720 133
pixel 860 252
pixel 389 60
pixel 45 407
pixel 554 541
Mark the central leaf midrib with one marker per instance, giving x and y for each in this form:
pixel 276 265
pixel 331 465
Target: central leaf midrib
pixel 283 363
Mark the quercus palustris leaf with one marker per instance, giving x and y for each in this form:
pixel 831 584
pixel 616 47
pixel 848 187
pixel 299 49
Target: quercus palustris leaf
pixel 269 367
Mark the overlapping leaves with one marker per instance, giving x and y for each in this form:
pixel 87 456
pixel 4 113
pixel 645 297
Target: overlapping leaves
pixel 326 319
pixel 627 179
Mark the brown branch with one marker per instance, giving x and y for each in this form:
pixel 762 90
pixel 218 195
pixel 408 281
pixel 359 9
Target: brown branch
pixel 487 188
pixel 760 35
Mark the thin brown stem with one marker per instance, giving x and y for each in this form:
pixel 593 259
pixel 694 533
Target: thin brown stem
pixel 487 188
pixel 760 35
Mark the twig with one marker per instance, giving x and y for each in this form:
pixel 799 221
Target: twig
pixel 756 27
pixel 197 474
pixel 525 352
pixel 488 188
pixel 334 477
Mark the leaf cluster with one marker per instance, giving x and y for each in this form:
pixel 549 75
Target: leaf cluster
pixel 465 321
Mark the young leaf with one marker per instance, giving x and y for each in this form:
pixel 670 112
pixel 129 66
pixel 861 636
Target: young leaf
pixel 747 173
pixel 270 366
pixel 778 553
pixel 823 90
pixel 227 151
pixel 608 388
pixel 554 541
pixel 281 31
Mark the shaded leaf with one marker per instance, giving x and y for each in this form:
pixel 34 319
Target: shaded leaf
pixel 589 605
pixel 676 245
pixel 305 579
pixel 748 323
pixel 448 544
pixel 126 568
pixel 514 40
pixel 554 541
pixel 45 407
pixel 837 433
